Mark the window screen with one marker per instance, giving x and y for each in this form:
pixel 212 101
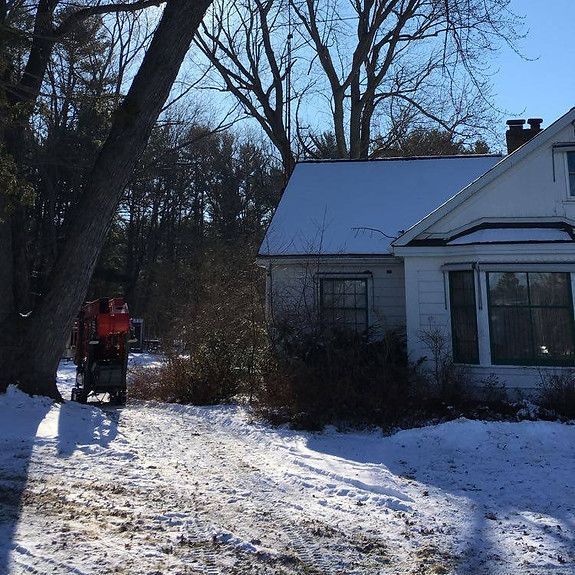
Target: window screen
pixel 531 318
pixel 463 317
pixel 343 303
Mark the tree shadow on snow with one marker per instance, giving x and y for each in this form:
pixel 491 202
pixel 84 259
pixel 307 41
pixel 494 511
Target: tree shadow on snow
pixel 26 423
pixel 81 427
pixel 21 418
pixel 512 480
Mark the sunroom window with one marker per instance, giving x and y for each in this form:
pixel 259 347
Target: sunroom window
pixel 531 318
pixel 463 317
pixel 343 304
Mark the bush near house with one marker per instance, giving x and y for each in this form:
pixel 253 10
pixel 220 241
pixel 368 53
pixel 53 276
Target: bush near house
pixel 558 393
pixel 218 341
pixel 309 378
pixel 314 380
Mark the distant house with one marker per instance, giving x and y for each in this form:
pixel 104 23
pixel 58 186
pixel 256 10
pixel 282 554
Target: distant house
pixel 481 248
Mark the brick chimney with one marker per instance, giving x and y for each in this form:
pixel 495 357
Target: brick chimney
pixel 517 134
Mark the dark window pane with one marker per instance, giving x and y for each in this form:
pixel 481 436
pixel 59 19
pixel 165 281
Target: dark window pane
pixel 361 300
pixel 463 317
pixel 571 169
pixel 339 300
pixel 553 337
pixel 464 335
pixel 354 319
pixel 349 300
pixel 327 285
pixel 508 288
pixel 350 286
pixel 531 318
pixel 549 289
pixel 510 334
pixel 462 288
pixel 344 304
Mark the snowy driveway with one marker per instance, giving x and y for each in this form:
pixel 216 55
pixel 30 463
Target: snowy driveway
pixel 166 489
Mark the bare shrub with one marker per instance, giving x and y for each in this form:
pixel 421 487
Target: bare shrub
pixel 219 338
pixel 447 382
pixel 492 392
pixel 184 379
pixel 316 379
pixel 558 393
pixel 448 389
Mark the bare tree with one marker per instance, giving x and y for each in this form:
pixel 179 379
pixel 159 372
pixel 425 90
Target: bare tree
pixel 247 43
pixel 414 59
pixel 383 66
pixel 31 344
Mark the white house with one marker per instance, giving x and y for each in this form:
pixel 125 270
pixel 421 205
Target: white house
pixel 481 248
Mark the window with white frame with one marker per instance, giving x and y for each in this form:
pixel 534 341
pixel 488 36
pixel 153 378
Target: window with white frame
pixel 343 303
pixel 531 318
pixel 571 172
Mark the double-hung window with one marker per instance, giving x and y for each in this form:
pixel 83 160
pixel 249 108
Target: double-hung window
pixel 531 318
pixel 463 316
pixel 343 304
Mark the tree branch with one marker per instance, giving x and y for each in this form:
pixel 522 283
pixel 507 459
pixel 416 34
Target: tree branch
pixel 80 15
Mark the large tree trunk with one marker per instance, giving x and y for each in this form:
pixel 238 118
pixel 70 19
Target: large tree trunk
pixel 339 122
pixel 41 336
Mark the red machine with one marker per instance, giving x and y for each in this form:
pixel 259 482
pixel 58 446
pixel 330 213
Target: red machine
pixel 102 350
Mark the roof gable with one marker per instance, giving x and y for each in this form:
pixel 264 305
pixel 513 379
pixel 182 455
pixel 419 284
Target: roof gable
pixel 359 207
pixel 544 138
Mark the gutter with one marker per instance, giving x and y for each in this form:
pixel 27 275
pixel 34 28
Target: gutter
pixel 327 259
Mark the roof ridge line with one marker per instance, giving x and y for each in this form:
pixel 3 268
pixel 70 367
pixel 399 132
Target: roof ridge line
pixel 394 158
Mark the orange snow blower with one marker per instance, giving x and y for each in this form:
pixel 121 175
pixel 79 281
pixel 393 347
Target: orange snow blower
pixel 102 350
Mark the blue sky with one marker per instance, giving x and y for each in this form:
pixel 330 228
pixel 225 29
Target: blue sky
pixel 540 85
pixel 543 88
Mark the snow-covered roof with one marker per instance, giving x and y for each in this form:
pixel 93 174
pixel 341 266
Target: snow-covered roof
pixel 512 235
pixel 360 207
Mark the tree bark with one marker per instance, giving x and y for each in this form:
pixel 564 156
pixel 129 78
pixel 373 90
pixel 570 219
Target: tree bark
pixel 42 336
pixel 6 286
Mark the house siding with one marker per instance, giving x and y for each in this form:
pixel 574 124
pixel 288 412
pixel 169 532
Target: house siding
pixel 428 307
pixel 293 289
pixel 536 188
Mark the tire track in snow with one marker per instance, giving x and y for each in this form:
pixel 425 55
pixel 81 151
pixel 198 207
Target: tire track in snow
pixel 251 479
pixel 201 549
pixel 300 540
pixel 38 564
pixel 180 461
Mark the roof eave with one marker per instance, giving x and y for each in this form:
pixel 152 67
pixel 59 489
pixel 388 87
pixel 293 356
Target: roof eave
pixel 264 259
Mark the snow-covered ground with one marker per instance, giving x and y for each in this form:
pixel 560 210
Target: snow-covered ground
pixel 167 489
